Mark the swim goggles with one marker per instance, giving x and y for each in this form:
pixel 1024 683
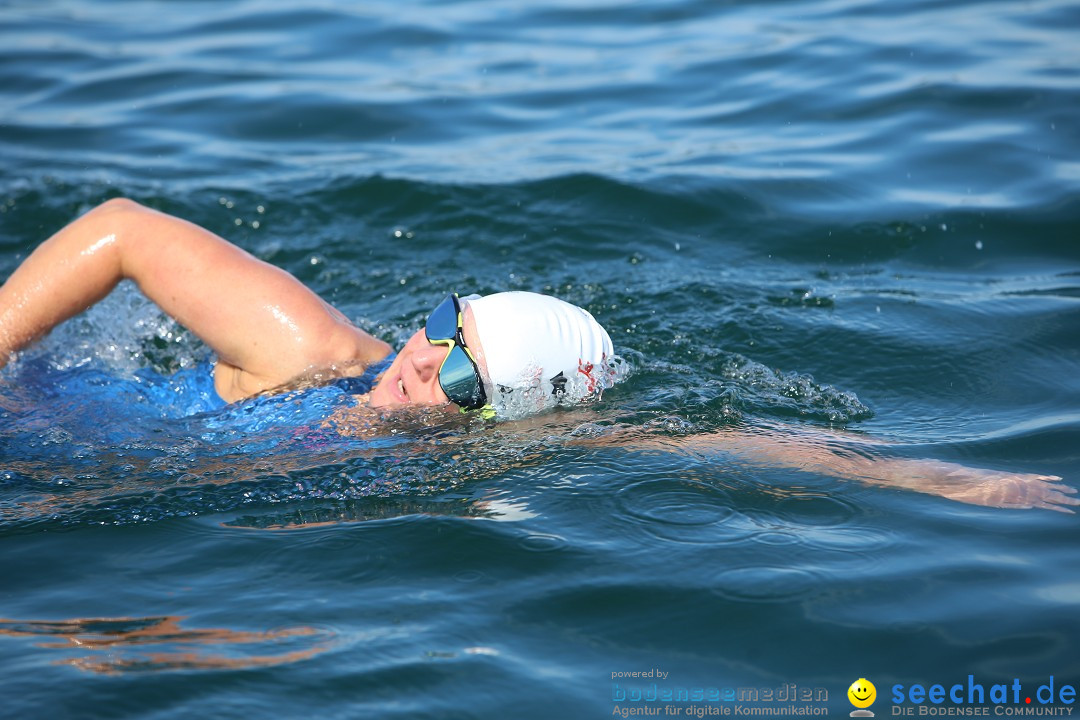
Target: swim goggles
pixel 459 375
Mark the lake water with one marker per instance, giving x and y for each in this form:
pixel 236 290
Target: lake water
pixel 830 214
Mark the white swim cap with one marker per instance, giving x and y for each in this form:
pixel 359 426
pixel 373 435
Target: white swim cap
pixel 540 350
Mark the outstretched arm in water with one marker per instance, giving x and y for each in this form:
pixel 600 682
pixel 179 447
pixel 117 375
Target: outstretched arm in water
pixel 854 457
pixel 265 326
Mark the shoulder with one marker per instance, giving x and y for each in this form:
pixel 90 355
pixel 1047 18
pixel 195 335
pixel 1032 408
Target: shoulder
pixel 347 347
pixel 344 348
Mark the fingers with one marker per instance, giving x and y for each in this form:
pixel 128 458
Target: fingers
pixel 1045 492
pixel 1065 500
pixel 1010 490
pixel 1054 507
pixel 1055 496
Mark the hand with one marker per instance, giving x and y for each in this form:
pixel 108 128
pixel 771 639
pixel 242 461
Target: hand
pixel 996 488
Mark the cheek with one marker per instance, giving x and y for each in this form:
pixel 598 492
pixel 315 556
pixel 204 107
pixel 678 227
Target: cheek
pixel 415 344
pixel 390 372
pixel 378 387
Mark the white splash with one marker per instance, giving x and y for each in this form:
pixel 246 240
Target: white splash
pixel 532 394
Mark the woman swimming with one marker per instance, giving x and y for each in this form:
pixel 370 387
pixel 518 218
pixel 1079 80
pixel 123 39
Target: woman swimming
pixel 267 329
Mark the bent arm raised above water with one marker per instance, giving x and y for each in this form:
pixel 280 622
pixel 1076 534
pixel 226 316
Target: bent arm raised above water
pixel 265 326
pixel 854 457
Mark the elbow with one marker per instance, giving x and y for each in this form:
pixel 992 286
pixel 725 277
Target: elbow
pixel 117 206
pixel 116 220
pixel 115 212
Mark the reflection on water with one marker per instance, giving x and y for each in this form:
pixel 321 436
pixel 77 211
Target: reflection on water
pixel 108 645
pixel 309 515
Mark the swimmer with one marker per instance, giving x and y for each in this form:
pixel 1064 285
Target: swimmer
pixel 267 329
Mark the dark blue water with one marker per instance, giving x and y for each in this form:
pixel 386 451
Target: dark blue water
pixel 792 216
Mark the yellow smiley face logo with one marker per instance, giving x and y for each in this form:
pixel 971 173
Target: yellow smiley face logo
pixel 862 693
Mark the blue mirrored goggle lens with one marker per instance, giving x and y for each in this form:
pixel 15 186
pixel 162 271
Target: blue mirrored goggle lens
pixel 458 376
pixel 442 322
pixel 459 380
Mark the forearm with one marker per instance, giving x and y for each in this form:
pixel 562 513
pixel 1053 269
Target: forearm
pixel 854 457
pixel 65 275
pixel 963 483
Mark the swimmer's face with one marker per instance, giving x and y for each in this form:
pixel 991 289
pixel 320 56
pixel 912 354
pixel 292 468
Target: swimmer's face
pixel 413 377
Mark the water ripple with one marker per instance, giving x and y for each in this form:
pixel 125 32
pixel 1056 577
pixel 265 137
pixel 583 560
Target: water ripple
pixel 542 543
pixel 683 511
pixel 816 510
pixel 766 583
pixel 680 503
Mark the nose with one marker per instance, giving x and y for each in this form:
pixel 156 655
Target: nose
pixel 427 360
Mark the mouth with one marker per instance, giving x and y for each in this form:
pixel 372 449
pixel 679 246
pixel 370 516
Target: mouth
pixel 858 697
pixel 400 393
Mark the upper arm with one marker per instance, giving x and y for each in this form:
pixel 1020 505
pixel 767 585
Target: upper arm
pixel 257 318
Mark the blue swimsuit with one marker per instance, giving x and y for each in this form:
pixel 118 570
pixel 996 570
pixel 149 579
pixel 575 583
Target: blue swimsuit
pixel 191 391
pixel 94 403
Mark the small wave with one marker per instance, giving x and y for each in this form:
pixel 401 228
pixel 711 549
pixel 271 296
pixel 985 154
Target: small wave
pixel 755 386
